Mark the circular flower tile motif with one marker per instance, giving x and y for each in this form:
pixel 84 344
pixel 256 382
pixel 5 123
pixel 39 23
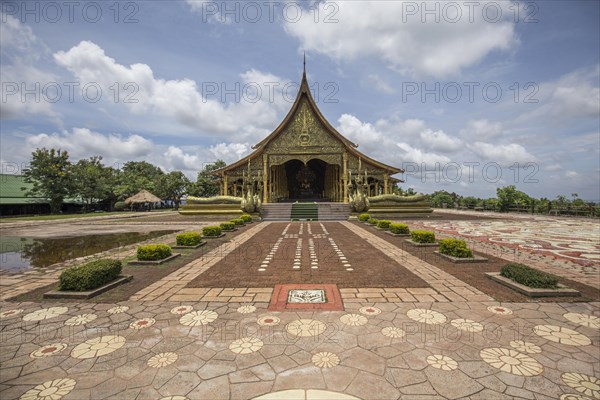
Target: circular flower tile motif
pixel 246 309
pixel 117 310
pixel 10 313
pixel 50 390
pixel 306 327
pixel 325 359
pixel 181 310
pixel 393 332
pixel 467 325
pixel 511 361
pixel 426 316
pixel 583 319
pixel 500 310
pixel 588 385
pixel 268 320
pixel 80 319
pixel 525 347
pixel 353 319
pixel 442 362
pixel 561 335
pixel 142 323
pixel 48 350
pixel 246 345
pixel 97 347
pixel 162 360
pixel 370 311
pixel 196 318
pixel 45 313
pixel 570 396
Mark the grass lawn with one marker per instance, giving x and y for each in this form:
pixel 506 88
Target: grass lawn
pixel 50 217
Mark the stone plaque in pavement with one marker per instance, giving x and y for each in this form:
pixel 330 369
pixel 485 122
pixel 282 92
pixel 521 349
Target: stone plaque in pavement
pixel 307 296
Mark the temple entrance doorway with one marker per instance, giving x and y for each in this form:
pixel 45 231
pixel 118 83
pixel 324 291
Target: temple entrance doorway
pixel 305 182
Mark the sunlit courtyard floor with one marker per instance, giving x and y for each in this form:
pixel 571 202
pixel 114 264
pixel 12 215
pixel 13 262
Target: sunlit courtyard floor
pixel 407 325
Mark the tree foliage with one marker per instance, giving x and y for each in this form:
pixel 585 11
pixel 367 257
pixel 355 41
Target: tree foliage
pixel 92 181
pixel 50 174
pixel 173 186
pixel 207 184
pixel 136 176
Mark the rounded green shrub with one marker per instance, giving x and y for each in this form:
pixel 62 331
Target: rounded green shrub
pixel 399 229
pixel 90 276
pixel 120 206
pixel 211 231
pixel 422 236
pixel 364 217
pixel 238 221
pixel 384 224
pixel 246 218
pixel 153 252
pixel 227 226
pixel 529 277
pixel 372 221
pixel 188 239
pixel 455 248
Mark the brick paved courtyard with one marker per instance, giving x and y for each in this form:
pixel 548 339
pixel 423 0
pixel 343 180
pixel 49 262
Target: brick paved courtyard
pixel 408 328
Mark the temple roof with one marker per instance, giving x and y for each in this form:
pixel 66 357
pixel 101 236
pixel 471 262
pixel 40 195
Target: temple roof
pixel 304 92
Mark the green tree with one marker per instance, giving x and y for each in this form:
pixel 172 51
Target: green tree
pixel 92 181
pixel 439 198
pixel 207 184
pixel 469 201
pixel 509 196
pixel 173 186
pixel 50 173
pixel 136 176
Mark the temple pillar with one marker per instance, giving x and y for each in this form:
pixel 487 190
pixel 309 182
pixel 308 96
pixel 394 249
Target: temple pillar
pixel 224 184
pixel 345 176
pixel 385 183
pixel 265 179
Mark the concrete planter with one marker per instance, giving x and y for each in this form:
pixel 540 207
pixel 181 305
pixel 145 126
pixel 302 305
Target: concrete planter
pixel 561 291
pixel 459 260
pixel 154 262
pixel 58 294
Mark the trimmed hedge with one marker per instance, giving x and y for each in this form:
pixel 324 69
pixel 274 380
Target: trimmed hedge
pixel 246 217
pixel 384 224
pixel 153 252
pixel 188 239
pixel 399 229
pixel 211 231
pixel 364 217
pixel 90 276
pixel 421 236
pixel 227 226
pixel 455 248
pixel 238 221
pixel 372 221
pixel 530 277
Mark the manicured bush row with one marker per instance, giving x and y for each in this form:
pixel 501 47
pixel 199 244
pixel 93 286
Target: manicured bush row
pixel 529 277
pixel 421 236
pixel 384 224
pixel 455 248
pixel 90 276
pixel 153 252
pixel 372 221
pixel 364 217
pixel 227 226
pixel 246 217
pixel 188 239
pixel 238 221
pixel 399 229
pixel 211 231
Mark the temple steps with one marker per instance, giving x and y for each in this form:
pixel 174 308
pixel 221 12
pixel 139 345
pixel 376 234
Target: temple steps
pixel 321 211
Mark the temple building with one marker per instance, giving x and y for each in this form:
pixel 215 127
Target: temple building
pixel 305 158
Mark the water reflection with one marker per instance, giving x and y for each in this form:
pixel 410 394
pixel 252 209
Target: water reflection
pixel 19 253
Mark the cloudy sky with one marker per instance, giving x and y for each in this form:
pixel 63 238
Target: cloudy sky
pixel 465 96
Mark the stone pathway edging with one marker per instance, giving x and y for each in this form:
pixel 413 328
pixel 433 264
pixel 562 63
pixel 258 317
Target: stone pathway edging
pixel 446 285
pixel 173 286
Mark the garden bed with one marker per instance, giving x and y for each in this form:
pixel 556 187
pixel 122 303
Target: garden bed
pixel 213 237
pixel 463 260
pixel 63 294
pixel 560 291
pixel 189 247
pixel 420 244
pixel 154 262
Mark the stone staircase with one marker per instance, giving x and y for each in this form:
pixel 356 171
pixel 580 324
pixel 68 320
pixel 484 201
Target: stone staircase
pixel 315 211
